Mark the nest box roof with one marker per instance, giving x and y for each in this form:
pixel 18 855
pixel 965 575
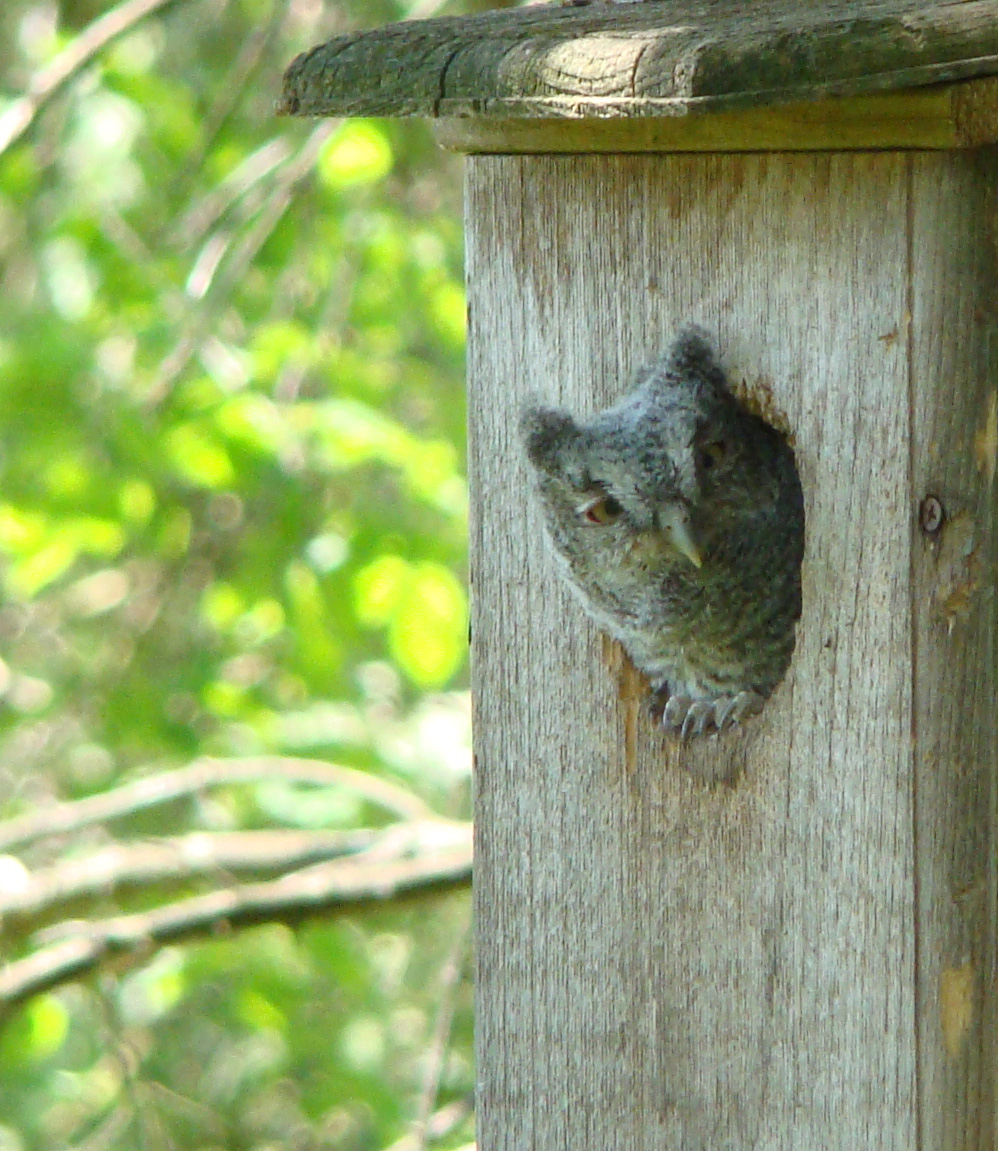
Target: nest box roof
pixel 657 58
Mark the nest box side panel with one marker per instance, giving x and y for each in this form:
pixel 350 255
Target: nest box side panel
pixel 662 962
pixel 953 338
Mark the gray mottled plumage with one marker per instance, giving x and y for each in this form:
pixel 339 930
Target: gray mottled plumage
pixel 679 517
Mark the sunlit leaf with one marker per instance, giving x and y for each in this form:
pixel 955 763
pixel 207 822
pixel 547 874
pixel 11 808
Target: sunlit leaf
pixel 274 345
pixel 262 622
pixel 362 1043
pixel 308 611
pixel 428 630
pixel 97 154
pixel 309 806
pixel 320 723
pixel 69 279
pixel 222 605
pixel 20 530
pixel 379 588
pixel 147 993
pixel 94 535
pixel 137 501
pixel 175 533
pixel 259 1012
pixel 49 1022
pixel 198 457
pixel 224 698
pixel 254 421
pixel 357 153
pixel 448 309
pixel 328 551
pixel 28 576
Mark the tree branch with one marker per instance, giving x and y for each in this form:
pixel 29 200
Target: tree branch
pixel 410 863
pixel 232 258
pixel 436 1051
pixel 46 82
pixel 199 776
pixel 440 1124
pixel 174 859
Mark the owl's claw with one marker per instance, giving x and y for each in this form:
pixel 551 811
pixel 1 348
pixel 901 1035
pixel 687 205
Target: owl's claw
pixel 744 705
pixel 674 714
pixel 699 716
pixel 692 717
pixel 724 709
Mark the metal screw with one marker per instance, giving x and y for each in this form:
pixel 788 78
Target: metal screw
pixel 931 515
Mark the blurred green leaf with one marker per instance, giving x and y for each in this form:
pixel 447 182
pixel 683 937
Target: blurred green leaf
pixel 146 994
pixel 428 630
pixel 357 153
pixel 425 610
pixel 232 521
pixel 198 457
pixel 379 589
pixel 49 1025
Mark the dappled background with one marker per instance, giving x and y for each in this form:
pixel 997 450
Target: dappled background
pixel 232 541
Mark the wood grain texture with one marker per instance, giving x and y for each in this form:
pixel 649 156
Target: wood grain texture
pixel 664 58
pixel 802 960
pixel 954 387
pixel 942 116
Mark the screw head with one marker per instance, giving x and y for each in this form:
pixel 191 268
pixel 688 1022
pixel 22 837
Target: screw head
pixel 931 515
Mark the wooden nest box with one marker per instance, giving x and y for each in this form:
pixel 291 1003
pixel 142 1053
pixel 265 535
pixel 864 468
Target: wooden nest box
pixel 804 959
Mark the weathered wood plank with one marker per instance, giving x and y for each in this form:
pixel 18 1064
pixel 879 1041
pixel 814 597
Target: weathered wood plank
pixel 772 965
pixel 665 58
pixel 944 116
pixel 954 385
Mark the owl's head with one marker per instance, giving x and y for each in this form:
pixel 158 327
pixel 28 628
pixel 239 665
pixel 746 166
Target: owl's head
pixel 661 471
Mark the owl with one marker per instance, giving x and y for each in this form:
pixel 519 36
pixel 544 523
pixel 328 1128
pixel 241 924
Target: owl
pixel 678 518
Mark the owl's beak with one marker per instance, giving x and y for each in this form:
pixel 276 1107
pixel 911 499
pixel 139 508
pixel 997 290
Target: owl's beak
pixel 675 523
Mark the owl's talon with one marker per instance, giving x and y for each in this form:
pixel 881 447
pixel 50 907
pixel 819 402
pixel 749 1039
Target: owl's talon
pixel 745 705
pixel 688 718
pixel 699 716
pixel 674 713
pixel 724 708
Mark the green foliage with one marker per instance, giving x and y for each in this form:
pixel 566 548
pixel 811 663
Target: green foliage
pixel 232 522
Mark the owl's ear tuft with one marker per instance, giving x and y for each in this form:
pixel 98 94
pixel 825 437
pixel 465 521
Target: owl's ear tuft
pixel 546 434
pixel 692 358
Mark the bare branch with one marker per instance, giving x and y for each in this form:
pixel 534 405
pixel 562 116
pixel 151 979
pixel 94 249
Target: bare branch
pixel 18 116
pixel 450 976
pixel 239 78
pixel 175 858
pixel 440 1124
pixel 418 867
pixel 202 215
pixel 231 260
pixel 199 776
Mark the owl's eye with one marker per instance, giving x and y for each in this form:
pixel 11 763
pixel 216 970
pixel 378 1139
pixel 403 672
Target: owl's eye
pixel 712 454
pixel 604 510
